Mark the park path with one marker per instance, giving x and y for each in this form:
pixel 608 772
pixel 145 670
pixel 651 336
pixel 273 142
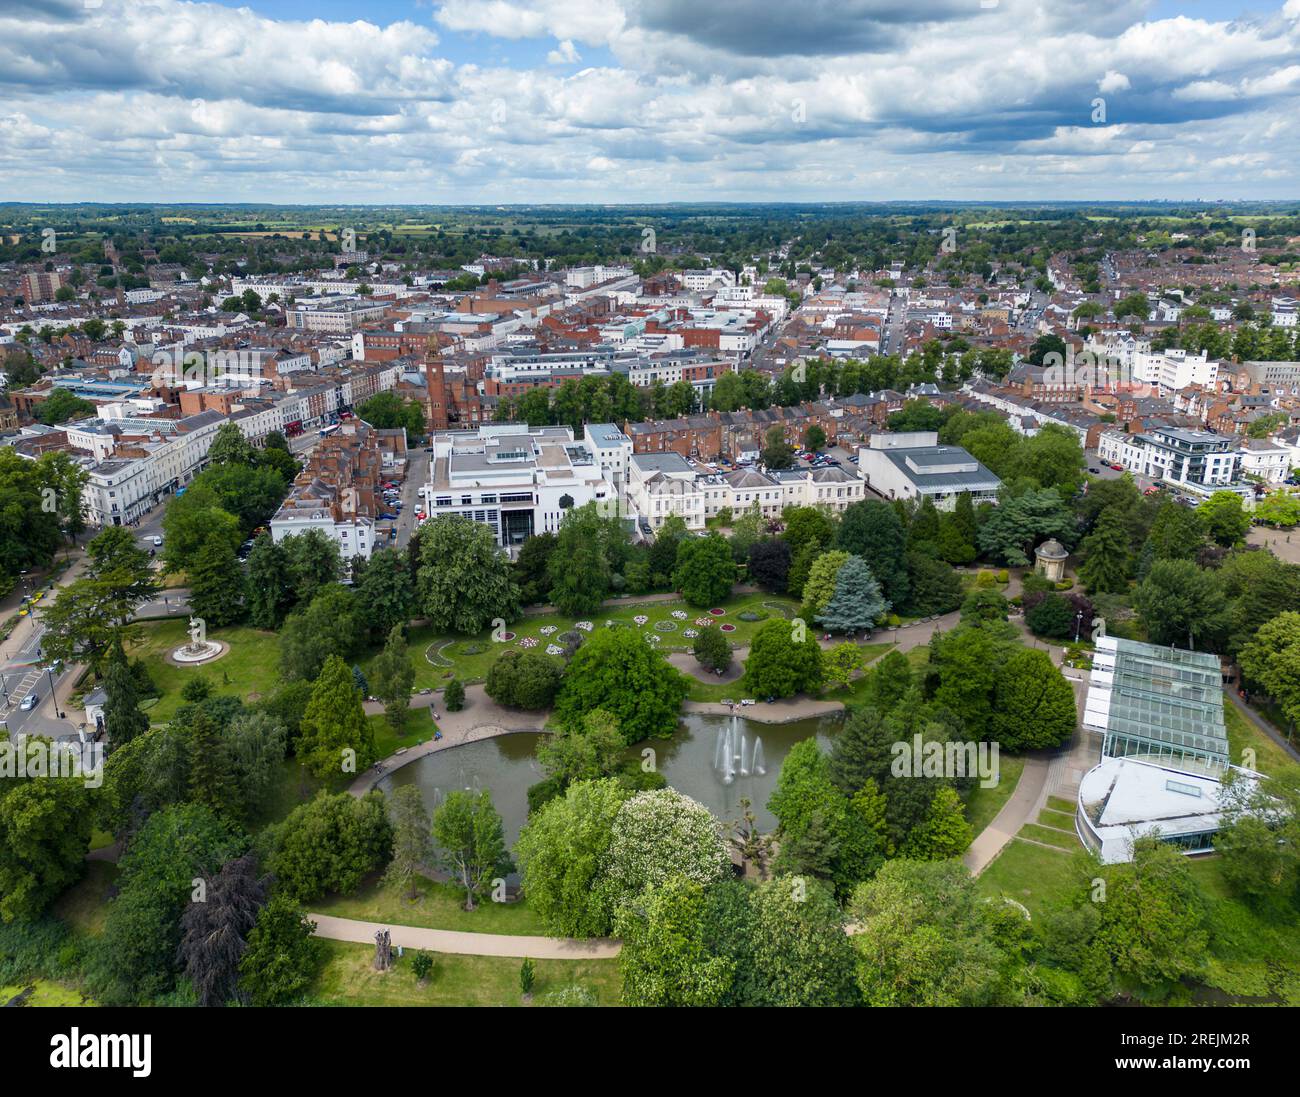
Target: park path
pixel 467 944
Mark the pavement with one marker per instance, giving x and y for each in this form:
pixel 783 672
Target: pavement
pixel 468 944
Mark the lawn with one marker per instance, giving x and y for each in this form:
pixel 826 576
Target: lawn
pixel 250 666
pixel 439 906
pixel 983 804
pixel 1050 837
pixel 1242 734
pixel 438 657
pixel 349 979
pixel 1031 875
pixel 417 726
pixel 84 906
pixel 45 993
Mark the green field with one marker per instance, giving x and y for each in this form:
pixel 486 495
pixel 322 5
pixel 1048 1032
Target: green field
pixel 437 906
pixel 45 993
pixel 350 980
pixel 438 657
pixel 983 804
pixel 1242 734
pixel 251 666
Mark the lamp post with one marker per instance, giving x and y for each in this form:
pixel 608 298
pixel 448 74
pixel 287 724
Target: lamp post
pixel 49 671
pixel 1078 624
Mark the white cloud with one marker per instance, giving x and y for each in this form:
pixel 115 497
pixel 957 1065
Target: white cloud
pixel 566 53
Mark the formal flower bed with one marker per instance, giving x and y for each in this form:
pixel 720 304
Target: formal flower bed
pixel 718 612
pixel 690 633
pixel 547 630
pixel 506 637
pixel 554 649
pixel 680 614
pixel 528 642
pixel 704 622
pixel 728 628
pixel 641 619
pixel 666 626
pixel 652 638
pixel 586 626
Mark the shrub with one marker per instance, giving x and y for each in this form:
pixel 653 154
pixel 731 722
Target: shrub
pixel 421 965
pixel 1004 576
pixel 453 695
pixel 523 679
pixel 985 579
pixel 1065 584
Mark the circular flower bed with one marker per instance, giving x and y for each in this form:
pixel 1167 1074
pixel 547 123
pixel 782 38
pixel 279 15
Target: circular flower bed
pixel 586 626
pixel 704 622
pixel 547 630
pixel 680 614
pixel 651 638
pixel 665 626
pixel 505 637
pixel 750 615
pixel 690 633
pixel 528 642
pixel 718 612
pixel 554 649
pixel 728 628
pixel 640 618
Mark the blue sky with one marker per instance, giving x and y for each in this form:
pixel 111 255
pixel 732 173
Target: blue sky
pixel 492 101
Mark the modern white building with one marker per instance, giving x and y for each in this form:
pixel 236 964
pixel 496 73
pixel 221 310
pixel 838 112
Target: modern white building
pixel 1198 461
pixel 912 465
pixel 1173 369
pixel 517 480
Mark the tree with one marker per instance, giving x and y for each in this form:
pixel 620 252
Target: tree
pixel 531 568
pixel 269 586
pixel 704 572
pixel 618 671
pixel 928 939
pixel 777 452
pixel 1106 556
pixel 255 744
pixel 388 411
pixel 1178 602
pixel 1052 616
pixel 214 932
pixel 216 584
pixel 211 772
pixel 663 553
pixel 944 833
pixel 872 529
pixel 1033 704
pixel 314 562
pixel 934 587
pixel 967 659
pixel 453 695
pixel 1177 533
pixel 1019 523
pixel 781 666
pixel 29 530
pixel 386 592
pixel 523 679
pixel 135 959
pixel 394 677
pixel 857 603
pixel 464 579
pixel 822 832
pixel 841 663
pixel 229 446
pixel 1150 932
pixel 123 719
pixel 45 825
pixel 664 960
pixel 334 735
pixel 819 586
pixel 282 957
pixel 329 844
pixel 808 525
pixel 769 564
pixel 711 649
pixel 984 604
pixel 472 845
pixel 801 954
pixel 1225 518
pixel 814 437
pixel 329 627
pixel 562 850
pixel 580 568
pixel 1271 661
pixel 1257 839
pixel 889 682
pixel 412 839
pixel 1280 508
pixel 63 405
pixel 659 834
pixel 586 751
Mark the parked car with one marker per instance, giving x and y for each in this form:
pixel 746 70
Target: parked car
pixel 157 541
pixel 30 701
pixel 388 517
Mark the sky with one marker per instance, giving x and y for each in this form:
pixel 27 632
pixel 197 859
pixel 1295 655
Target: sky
pixel 609 101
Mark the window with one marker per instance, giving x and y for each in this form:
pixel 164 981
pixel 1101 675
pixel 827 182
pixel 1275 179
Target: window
pixel 1183 789
pixel 486 499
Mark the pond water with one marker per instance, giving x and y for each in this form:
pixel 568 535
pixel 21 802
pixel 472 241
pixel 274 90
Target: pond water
pixel 697 761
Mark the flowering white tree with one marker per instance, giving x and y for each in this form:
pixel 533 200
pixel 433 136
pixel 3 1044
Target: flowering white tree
pixel 660 834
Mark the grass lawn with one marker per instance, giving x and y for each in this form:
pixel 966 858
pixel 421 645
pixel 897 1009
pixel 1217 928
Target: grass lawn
pixel 983 804
pixel 417 726
pixel 348 979
pixel 438 657
pixel 1031 875
pixel 1269 757
pixel 84 906
pixel 1047 836
pixel 251 665
pixel 437 907
pixel 1062 820
pixel 1059 804
pixel 46 993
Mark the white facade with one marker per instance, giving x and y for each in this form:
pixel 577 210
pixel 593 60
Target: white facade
pixel 1174 369
pixel 354 536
